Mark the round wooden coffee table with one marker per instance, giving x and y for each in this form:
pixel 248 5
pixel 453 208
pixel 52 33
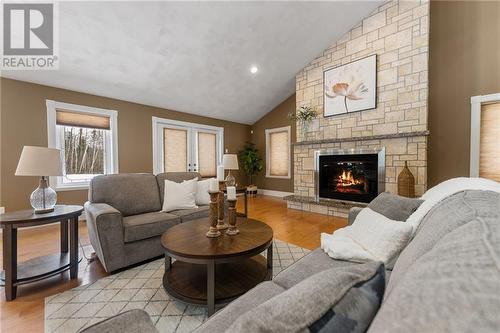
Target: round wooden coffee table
pixel 214 271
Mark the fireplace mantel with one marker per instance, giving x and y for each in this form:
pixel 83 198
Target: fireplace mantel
pixel 363 138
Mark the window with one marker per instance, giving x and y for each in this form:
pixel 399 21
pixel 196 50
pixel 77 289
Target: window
pixel 278 152
pixel 485 137
pixel 87 138
pixel 181 146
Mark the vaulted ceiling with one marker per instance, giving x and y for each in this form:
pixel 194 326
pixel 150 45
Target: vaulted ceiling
pixel 194 57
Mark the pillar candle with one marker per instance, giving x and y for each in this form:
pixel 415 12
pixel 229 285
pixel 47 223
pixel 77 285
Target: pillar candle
pixel 231 193
pixel 220 173
pixel 213 185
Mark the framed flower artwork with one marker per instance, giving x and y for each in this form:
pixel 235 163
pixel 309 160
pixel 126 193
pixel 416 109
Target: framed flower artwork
pixel 351 87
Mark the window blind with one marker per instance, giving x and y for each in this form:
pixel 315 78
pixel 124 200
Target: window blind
pixel 86 120
pixel 207 166
pixel 175 150
pixel 279 153
pixel 489 151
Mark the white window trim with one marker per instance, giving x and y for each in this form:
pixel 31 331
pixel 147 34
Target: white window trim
pixel 161 123
pixel 268 152
pixel 475 129
pixel 54 140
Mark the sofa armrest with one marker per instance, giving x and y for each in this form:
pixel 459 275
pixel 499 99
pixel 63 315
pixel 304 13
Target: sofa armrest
pixel 353 212
pixel 125 322
pixel 105 227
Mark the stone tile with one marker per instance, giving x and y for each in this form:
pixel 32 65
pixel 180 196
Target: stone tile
pixel 144 295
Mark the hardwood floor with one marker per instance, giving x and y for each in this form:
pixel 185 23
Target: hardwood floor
pixel 26 312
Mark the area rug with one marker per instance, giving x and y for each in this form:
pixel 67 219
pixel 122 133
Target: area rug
pixel 138 288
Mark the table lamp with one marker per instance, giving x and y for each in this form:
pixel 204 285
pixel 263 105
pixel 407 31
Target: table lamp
pixel 43 162
pixel 230 162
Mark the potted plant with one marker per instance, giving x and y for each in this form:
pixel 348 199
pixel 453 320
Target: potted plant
pixel 304 115
pixel 251 164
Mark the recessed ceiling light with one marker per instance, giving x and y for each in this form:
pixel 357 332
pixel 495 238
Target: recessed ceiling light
pixel 254 69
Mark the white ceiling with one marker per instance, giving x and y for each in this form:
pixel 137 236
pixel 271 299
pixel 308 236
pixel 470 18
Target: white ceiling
pixel 194 56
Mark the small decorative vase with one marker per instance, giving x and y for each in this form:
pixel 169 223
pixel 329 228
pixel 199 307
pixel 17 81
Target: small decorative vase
pixel 221 225
pixel 231 216
pixel 305 128
pixel 213 215
pixel 230 180
pixel 406 182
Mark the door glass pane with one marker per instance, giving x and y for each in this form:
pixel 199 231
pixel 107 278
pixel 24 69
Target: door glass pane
pixel 175 150
pixel 489 151
pixel 278 145
pixel 207 152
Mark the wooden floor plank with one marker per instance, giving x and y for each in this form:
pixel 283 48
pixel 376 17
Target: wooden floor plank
pixel 26 313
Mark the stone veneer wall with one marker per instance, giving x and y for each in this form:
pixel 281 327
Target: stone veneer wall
pixel 398 33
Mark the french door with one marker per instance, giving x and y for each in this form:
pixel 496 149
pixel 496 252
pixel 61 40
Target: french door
pixel 181 146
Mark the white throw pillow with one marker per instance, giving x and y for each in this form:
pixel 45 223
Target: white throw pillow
pixel 380 236
pixel 179 195
pixel 202 197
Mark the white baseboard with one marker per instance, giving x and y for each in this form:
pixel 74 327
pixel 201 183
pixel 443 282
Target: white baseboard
pixel 273 193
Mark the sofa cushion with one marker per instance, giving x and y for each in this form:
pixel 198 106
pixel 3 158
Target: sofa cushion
pixel 191 214
pixel 225 317
pixel 341 299
pixel 137 227
pixel 177 177
pixel 454 287
pixel 448 215
pixel 393 206
pixel 315 262
pixel 131 194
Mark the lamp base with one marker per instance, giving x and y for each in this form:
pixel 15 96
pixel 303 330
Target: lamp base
pixel 43 199
pixel 43 211
pixel 230 180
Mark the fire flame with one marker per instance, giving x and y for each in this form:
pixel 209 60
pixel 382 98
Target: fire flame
pixel 346 179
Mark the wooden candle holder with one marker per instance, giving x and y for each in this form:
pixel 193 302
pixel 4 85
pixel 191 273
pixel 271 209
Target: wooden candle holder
pixel 213 214
pixel 231 216
pixel 221 225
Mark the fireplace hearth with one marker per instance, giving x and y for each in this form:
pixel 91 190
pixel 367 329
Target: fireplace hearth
pixel 350 175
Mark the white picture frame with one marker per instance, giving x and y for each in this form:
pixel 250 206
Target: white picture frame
pixel 351 87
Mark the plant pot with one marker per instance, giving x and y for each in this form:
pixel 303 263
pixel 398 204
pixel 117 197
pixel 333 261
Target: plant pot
pixel 252 190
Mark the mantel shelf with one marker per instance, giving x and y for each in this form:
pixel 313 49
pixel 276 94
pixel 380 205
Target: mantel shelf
pixel 363 138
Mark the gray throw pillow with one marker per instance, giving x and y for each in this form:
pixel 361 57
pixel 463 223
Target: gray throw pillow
pixel 340 299
pixel 394 206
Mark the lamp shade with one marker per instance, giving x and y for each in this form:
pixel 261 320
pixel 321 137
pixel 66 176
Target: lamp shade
pixel 39 161
pixel 230 161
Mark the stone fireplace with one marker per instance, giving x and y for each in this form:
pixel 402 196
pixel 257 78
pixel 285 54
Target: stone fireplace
pixel 397 32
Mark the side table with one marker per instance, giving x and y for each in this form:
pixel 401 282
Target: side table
pixel 40 267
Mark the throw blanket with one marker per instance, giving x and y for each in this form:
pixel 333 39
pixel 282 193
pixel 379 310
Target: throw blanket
pixel 370 239
pixel 445 189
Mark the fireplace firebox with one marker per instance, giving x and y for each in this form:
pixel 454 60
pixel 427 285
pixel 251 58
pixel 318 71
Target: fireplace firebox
pixel 350 175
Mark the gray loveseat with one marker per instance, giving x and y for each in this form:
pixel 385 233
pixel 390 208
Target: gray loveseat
pixel 446 280
pixel 124 216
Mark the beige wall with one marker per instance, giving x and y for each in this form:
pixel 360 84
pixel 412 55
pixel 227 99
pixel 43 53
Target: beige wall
pixel 278 117
pixel 24 122
pixel 464 62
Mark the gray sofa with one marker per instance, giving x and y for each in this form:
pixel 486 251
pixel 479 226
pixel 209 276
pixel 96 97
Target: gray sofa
pixel 124 216
pixel 446 280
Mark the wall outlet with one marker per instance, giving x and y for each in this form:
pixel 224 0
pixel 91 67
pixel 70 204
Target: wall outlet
pixel 2 210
